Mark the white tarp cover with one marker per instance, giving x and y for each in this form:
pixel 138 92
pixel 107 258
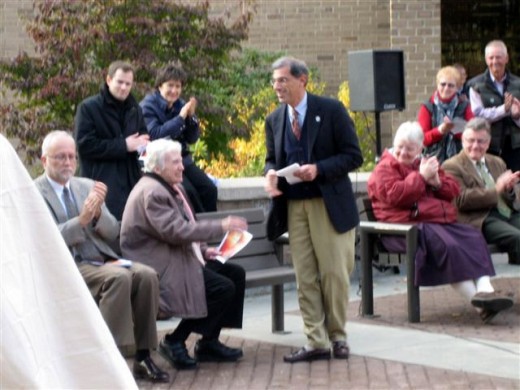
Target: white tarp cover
pixel 52 335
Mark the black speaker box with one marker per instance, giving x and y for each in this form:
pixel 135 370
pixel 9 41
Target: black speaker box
pixel 376 80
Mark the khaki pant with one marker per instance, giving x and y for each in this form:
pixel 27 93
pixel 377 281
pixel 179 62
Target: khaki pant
pixel 323 260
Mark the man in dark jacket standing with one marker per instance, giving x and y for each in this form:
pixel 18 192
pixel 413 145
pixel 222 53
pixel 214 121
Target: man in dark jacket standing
pixel 110 131
pixel 319 208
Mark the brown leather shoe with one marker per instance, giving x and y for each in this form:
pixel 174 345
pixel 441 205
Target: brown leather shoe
pixel 494 301
pixel 340 349
pixel 304 355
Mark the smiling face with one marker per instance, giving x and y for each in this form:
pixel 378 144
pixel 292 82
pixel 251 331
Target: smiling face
pixel 59 161
pixel 406 151
pixel 289 89
pixel 446 87
pixel 496 60
pixel 172 168
pixel 171 91
pixel 475 143
pixel 120 84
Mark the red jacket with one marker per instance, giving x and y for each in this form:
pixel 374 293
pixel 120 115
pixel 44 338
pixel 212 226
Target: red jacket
pixel 399 194
pixel 432 135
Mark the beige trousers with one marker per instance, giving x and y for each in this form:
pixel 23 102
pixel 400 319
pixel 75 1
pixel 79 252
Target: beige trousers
pixel 128 299
pixel 323 260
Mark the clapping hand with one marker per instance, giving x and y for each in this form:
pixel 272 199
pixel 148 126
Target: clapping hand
pixel 92 207
pixel 429 170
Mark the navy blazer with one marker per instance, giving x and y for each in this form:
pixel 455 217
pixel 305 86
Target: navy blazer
pixel 333 147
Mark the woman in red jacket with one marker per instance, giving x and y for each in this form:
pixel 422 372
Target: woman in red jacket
pixel 442 117
pixel 406 187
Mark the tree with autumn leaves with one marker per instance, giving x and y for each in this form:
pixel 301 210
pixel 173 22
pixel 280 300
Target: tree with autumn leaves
pixel 75 41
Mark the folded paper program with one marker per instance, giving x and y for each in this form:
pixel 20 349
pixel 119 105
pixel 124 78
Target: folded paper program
pixel 288 173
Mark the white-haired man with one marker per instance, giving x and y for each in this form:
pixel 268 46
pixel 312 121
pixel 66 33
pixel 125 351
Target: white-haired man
pixel 127 295
pixel 158 226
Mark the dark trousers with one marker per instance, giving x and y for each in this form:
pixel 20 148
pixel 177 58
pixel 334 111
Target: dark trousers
pixel 200 189
pixel 225 287
pixel 510 156
pixel 504 232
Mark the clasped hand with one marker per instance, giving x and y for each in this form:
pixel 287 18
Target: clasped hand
pixel 429 170
pixel 92 207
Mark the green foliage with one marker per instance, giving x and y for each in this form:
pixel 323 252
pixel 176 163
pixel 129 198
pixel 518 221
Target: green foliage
pixel 77 40
pixel 363 124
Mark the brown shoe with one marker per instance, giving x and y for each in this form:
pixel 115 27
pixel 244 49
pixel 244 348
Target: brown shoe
pixel 495 301
pixel 340 349
pixel 304 355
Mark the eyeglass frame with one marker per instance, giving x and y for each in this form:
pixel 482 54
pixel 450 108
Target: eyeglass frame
pixel 62 157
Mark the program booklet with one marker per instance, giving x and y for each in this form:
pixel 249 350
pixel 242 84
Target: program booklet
pixel 232 243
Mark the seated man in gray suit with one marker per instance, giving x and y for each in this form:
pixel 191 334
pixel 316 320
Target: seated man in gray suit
pixel 487 189
pixel 127 294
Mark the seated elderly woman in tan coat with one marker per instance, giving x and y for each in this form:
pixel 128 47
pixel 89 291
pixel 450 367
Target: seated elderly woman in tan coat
pixel 158 226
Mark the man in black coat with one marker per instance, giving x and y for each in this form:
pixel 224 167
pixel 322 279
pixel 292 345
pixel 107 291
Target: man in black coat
pixel 110 132
pixel 320 210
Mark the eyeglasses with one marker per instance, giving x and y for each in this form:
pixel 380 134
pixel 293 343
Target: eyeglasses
pixel 478 141
pixel 449 85
pixel 280 80
pixel 64 157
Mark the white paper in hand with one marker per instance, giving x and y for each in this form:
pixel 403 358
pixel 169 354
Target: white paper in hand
pixel 288 173
pixel 458 125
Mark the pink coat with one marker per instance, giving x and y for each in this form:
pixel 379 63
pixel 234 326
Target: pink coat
pixel 399 194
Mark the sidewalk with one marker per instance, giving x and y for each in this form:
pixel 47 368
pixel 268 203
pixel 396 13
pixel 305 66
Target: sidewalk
pixel 449 349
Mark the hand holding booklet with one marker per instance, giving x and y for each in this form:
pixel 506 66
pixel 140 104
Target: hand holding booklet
pixel 288 173
pixel 232 243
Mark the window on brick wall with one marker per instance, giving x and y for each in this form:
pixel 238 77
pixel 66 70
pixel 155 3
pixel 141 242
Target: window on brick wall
pixel 467 26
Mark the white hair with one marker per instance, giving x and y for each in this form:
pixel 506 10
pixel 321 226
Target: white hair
pixel 410 131
pixel 155 152
pixel 51 137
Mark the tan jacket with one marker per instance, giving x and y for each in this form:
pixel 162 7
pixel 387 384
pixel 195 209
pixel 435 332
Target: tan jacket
pixel 475 200
pixel 156 231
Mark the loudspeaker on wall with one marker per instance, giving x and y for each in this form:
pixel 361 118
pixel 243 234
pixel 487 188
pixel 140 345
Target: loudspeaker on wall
pixel 376 80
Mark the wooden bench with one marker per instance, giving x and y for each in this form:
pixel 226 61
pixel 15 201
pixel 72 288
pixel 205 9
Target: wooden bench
pixel 262 259
pixel 372 251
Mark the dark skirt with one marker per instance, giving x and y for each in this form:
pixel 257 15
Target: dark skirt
pixel 446 254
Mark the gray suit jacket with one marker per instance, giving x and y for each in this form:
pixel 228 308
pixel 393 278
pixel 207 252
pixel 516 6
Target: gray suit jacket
pixel 104 234
pixel 475 200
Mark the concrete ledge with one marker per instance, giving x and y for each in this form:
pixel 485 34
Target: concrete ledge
pixel 248 192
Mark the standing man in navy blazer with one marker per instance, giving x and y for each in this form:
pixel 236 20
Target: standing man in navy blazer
pixel 319 212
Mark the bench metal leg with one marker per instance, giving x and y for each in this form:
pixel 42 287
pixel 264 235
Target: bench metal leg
pixel 277 308
pixel 414 307
pixel 367 253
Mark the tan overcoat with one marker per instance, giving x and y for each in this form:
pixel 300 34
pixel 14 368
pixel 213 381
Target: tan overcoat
pixel 156 230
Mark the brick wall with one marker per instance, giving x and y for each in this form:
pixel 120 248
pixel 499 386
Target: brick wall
pixel 321 32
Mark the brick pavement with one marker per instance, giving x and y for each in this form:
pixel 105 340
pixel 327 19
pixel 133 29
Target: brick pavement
pixel 442 312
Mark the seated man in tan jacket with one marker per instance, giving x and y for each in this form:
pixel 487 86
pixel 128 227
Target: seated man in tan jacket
pixel 487 190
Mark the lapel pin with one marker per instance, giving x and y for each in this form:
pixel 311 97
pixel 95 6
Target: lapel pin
pixel 318 119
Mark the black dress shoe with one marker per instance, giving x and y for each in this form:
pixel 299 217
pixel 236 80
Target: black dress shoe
pixel 147 369
pixel 340 349
pixel 177 354
pixel 215 351
pixel 304 355
pixel 494 301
